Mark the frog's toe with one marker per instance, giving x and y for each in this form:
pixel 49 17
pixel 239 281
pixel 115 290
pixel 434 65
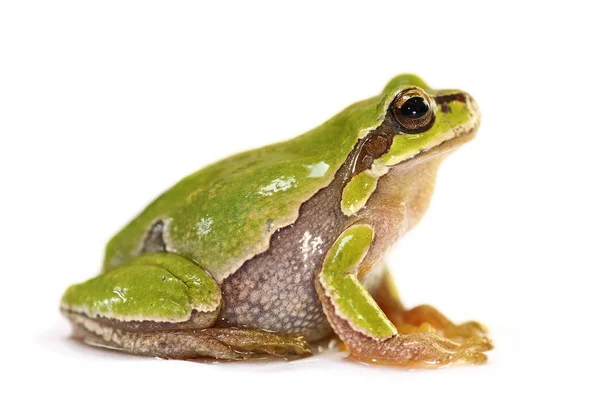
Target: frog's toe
pixel 432 349
pixel 478 343
pixel 474 327
pixel 252 342
pixel 422 349
pixel 428 318
pixel 467 330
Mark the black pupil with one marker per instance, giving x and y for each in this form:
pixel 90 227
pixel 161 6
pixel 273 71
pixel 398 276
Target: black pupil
pixel 415 107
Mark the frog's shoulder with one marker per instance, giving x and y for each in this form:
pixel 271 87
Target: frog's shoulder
pixel 224 214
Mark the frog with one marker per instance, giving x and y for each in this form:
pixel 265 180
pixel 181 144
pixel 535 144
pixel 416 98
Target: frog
pixel 269 252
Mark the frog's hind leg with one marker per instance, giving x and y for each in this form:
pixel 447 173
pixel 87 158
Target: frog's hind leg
pixel 423 318
pixel 180 343
pixel 163 305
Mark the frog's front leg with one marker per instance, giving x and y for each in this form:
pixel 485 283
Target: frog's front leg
pixel 423 318
pixel 363 326
pixel 164 305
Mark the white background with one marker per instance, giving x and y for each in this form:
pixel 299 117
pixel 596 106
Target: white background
pixel 105 104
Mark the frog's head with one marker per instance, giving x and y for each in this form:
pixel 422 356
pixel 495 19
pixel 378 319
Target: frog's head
pixel 425 121
pixel 416 127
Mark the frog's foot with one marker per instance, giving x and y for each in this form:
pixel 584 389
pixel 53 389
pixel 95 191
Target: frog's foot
pixel 428 317
pixel 418 349
pixel 250 342
pixel 364 327
pixel 424 318
pixel 163 305
pixel 160 340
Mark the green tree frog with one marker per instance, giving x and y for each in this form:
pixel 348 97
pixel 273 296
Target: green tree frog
pixel 269 250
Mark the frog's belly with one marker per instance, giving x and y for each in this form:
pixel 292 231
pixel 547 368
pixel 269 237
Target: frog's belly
pixel 279 300
pixel 275 290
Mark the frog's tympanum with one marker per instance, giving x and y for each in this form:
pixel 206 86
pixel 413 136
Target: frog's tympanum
pixel 272 249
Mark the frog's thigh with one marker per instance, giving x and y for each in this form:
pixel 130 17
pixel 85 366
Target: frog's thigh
pixel 361 323
pixel 163 305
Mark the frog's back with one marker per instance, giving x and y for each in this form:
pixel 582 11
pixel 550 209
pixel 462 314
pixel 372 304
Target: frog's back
pixel 224 214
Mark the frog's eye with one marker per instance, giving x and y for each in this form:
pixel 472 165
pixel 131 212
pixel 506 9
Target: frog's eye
pixel 413 110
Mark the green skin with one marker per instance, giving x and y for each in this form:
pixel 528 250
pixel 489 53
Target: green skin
pixel 226 213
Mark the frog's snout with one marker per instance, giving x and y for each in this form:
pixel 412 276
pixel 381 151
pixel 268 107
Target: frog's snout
pixel 445 103
pixel 473 107
pixel 474 112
